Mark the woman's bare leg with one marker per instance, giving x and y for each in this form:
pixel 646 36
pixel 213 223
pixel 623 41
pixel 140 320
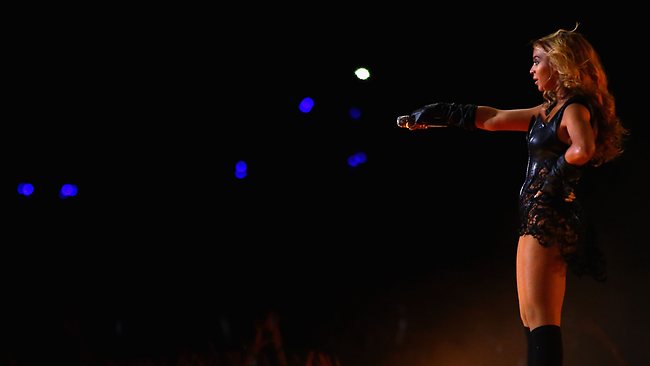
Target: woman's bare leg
pixel 541 283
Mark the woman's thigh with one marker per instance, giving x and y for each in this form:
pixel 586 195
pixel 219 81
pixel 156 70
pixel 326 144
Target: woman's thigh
pixel 541 282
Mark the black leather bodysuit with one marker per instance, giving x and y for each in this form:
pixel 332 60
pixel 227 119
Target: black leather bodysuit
pixel 551 220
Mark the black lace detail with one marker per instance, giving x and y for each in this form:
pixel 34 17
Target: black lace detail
pixel 552 221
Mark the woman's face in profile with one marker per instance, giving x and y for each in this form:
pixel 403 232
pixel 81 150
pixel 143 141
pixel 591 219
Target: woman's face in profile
pixel 541 71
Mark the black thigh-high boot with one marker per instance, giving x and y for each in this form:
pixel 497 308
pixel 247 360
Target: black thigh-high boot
pixel 546 346
pixel 529 346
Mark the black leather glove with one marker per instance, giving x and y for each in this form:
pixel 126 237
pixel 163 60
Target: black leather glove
pixel 440 115
pixel 562 179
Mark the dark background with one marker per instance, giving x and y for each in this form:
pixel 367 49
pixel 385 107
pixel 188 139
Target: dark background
pixel 406 259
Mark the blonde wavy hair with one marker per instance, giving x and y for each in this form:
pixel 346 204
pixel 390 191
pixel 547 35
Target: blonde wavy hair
pixel 581 73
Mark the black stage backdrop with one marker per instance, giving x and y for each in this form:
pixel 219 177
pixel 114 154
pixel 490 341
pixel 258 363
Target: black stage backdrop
pixel 406 258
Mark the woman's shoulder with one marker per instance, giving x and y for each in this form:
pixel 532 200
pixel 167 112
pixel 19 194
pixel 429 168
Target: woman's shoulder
pixel 579 99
